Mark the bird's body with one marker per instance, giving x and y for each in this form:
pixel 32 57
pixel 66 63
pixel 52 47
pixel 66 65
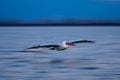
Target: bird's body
pixel 64 46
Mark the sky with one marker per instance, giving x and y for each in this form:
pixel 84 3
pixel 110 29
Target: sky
pixel 42 9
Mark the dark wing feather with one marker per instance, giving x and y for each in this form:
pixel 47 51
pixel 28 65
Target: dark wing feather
pixel 34 47
pixel 44 46
pixel 83 41
pixel 49 46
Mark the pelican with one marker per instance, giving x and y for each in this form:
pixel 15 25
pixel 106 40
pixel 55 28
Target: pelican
pixel 65 45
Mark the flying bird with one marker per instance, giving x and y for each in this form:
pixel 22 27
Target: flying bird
pixel 65 45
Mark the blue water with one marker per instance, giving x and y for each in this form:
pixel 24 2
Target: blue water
pixel 97 61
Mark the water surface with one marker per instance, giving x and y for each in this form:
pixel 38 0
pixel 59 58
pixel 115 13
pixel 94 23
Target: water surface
pixel 98 61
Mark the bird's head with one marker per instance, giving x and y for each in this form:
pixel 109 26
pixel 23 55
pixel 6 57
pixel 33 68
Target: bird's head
pixel 68 43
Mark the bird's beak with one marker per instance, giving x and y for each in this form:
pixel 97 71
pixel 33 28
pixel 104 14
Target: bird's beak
pixel 70 44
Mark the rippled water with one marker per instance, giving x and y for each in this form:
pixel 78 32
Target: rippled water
pixel 98 61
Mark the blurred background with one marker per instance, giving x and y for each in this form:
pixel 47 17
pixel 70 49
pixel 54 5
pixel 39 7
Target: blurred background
pixel 58 12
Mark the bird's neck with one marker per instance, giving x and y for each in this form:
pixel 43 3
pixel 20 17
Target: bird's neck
pixel 65 46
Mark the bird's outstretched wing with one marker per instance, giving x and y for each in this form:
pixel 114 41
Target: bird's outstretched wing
pixel 44 46
pixel 83 41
